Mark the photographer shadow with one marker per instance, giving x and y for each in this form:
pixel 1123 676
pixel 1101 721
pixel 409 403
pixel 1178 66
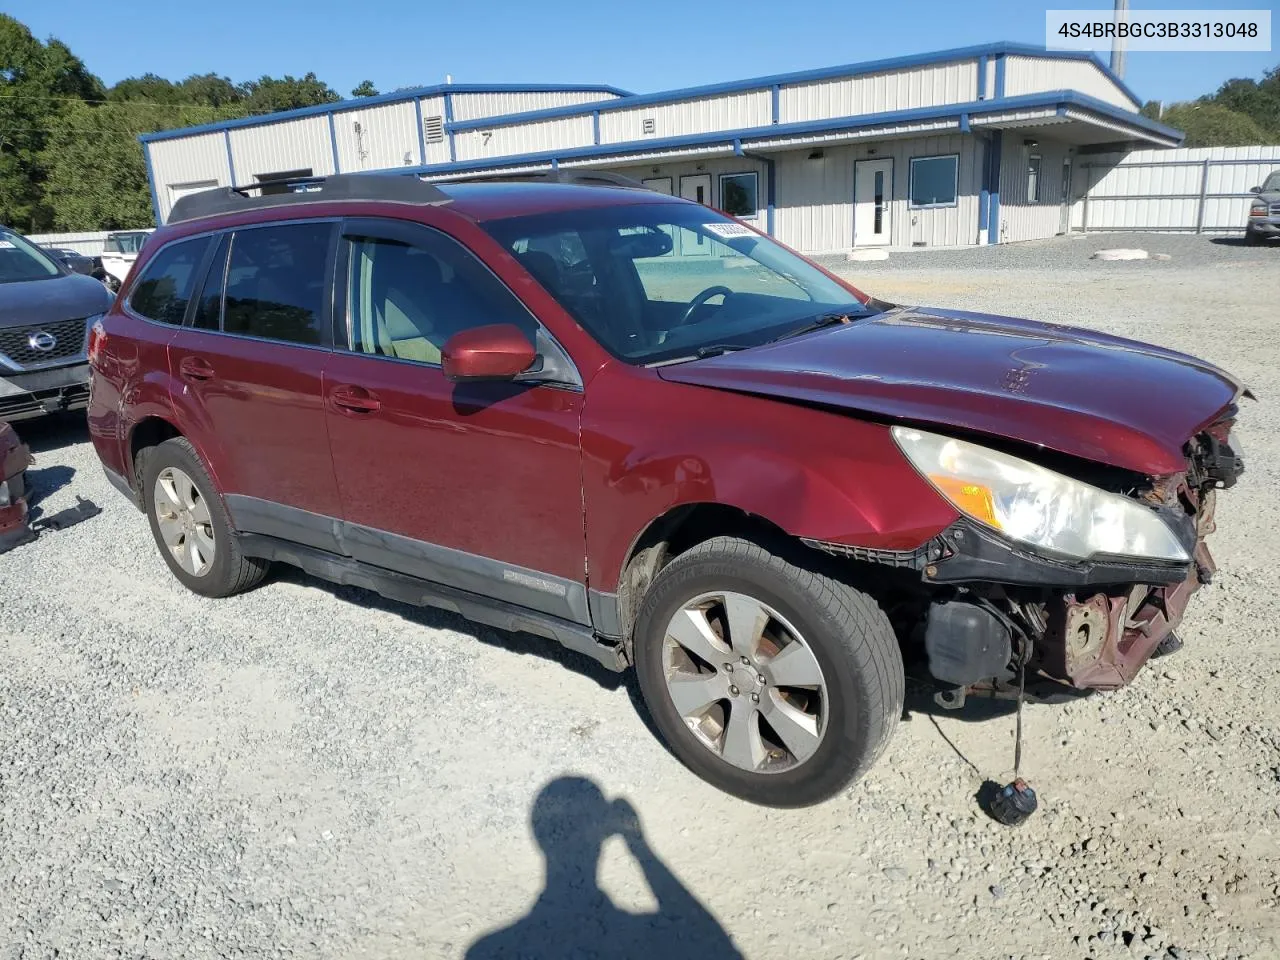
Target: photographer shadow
pixel 573 917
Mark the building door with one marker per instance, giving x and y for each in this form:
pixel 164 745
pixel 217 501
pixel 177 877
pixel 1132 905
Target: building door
pixel 1065 226
pixel 872 190
pixel 697 188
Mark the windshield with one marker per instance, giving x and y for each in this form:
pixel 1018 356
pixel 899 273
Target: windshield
pixel 660 282
pixel 124 242
pixel 1273 183
pixel 20 260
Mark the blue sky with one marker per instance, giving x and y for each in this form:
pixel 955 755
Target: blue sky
pixel 653 46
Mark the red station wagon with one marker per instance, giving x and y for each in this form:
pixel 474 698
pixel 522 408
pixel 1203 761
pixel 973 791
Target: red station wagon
pixel 628 423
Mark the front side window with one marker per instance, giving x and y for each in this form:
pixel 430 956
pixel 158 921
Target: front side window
pixel 164 289
pixel 738 193
pixel 275 282
pixel 20 260
pixel 125 243
pixel 658 282
pixel 405 300
pixel 934 181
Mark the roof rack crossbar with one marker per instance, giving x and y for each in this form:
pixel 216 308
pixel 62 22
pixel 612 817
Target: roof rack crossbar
pixel 308 189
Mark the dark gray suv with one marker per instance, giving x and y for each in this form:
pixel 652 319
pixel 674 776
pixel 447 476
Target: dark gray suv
pixel 1264 212
pixel 45 315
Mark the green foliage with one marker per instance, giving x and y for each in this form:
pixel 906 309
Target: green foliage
pixel 1208 124
pixel 365 89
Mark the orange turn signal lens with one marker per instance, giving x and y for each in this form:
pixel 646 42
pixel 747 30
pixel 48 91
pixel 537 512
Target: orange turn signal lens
pixel 970 498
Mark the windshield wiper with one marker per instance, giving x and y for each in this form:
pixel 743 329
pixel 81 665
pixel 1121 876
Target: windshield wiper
pixel 715 349
pixel 826 320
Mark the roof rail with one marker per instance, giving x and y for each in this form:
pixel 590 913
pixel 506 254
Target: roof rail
pixel 596 178
pixel 285 191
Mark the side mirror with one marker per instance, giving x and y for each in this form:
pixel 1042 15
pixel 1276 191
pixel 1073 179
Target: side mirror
pixel 496 351
pixel 1255 189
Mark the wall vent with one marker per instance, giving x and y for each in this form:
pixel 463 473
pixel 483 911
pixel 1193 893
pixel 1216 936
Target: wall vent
pixel 433 129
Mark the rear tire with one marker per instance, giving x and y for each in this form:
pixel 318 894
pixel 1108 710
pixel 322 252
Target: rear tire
pixel 811 722
pixel 190 525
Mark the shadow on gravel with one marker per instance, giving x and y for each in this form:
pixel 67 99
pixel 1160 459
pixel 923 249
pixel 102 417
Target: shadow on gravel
pixel 53 432
pixel 573 917
pixel 44 481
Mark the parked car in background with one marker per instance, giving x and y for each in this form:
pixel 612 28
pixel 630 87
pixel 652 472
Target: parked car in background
pixel 45 314
pixel 1264 211
pixel 119 252
pixel 78 262
pixel 632 424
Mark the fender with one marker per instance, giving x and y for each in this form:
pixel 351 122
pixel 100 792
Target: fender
pixel 192 422
pixel 812 473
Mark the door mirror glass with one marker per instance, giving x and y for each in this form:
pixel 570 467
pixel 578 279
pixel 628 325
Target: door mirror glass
pixel 496 351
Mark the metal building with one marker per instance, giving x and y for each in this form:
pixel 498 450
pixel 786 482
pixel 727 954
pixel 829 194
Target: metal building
pixel 966 146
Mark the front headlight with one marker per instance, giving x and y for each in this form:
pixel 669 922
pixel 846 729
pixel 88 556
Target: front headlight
pixel 1036 506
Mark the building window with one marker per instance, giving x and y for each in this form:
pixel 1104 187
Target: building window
pixel 738 194
pixel 935 181
pixel 1033 178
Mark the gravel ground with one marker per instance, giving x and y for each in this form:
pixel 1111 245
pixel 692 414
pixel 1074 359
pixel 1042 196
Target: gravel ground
pixel 311 771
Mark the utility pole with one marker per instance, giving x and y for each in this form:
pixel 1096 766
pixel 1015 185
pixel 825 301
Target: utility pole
pixel 1118 44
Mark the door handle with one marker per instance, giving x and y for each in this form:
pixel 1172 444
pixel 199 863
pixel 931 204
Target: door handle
pixel 194 368
pixel 351 399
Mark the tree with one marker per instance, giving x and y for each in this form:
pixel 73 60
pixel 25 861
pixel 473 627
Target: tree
pixel 1210 125
pixel 38 81
pixel 365 89
pixel 267 94
pixel 96 178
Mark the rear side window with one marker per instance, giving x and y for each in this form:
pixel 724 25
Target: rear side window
pixel 276 282
pixel 164 289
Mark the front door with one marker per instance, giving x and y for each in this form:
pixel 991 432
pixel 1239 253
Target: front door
pixel 872 190
pixel 474 485
pixel 698 189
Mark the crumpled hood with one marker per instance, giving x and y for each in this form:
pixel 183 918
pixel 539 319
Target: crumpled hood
pixel 1076 391
pixel 35 302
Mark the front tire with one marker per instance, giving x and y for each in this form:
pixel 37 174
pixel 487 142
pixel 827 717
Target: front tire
pixel 772 681
pixel 190 524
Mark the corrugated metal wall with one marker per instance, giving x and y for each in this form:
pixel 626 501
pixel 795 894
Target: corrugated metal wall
pixel 291 145
pixel 474 106
pixel 815 197
pixel 377 137
pixel 872 93
pixel 1032 74
pixel 506 141
pixel 198 159
pixel 91 244
pixel 1020 219
pixel 1162 190
pixel 732 111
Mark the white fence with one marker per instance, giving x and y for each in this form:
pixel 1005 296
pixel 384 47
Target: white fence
pixel 1200 190
pixel 90 244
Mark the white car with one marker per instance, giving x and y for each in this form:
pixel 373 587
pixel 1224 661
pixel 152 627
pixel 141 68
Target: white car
pixel 119 253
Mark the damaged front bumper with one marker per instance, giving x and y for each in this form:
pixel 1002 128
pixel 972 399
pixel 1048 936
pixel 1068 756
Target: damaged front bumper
pixel 14 460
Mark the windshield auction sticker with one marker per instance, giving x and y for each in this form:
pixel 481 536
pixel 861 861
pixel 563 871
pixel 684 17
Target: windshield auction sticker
pixel 1168 30
pixel 728 231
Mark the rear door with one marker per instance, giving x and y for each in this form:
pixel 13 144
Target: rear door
pixel 473 485
pixel 251 367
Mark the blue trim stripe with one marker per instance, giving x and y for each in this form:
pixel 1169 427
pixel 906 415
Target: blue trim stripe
pixel 448 122
pixel 982 77
pixel 624 100
pixel 964 123
pixel 399 96
pixel 1000 65
pixel 231 163
pixel 151 181
pixel 333 142
pixel 993 199
pixel 975 110
pixel 422 135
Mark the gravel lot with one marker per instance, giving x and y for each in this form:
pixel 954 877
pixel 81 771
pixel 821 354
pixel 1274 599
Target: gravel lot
pixel 311 771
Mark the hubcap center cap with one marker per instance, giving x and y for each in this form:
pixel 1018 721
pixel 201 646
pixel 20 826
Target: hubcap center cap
pixel 747 679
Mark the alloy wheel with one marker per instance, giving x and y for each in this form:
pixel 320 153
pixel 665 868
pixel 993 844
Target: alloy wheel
pixel 183 518
pixel 745 682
